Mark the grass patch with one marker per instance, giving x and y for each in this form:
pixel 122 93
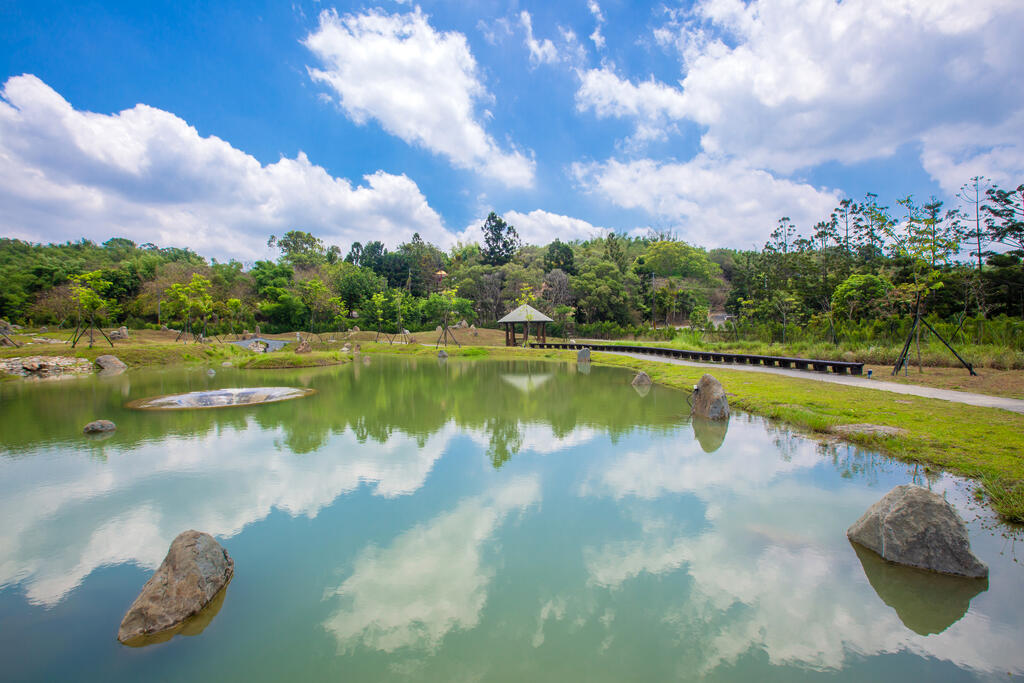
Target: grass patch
pixel 135 355
pixel 287 359
pixel 982 443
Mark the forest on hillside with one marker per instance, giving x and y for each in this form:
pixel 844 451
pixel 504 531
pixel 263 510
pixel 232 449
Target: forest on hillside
pixel 861 272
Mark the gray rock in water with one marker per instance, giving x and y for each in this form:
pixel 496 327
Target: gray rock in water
pixel 912 526
pixel 98 426
pixel 583 356
pixel 109 362
pixel 442 354
pixel 226 364
pixel 709 399
pixel 195 570
pixel 211 372
pixel 642 379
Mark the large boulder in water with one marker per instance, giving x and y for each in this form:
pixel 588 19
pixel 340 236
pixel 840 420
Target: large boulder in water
pixel 583 355
pixel 709 399
pixel 912 526
pixel 642 379
pixel 195 570
pixel 109 362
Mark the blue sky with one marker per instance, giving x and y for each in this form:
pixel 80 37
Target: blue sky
pixel 214 125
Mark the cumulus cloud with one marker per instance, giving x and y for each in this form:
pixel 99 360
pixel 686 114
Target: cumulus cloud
pixel 538 227
pixel 146 173
pixel 596 36
pixel 715 202
pixel 541 51
pixel 654 106
pixel 788 84
pixel 422 85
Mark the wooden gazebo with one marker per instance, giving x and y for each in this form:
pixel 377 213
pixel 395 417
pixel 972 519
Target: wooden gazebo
pixel 526 315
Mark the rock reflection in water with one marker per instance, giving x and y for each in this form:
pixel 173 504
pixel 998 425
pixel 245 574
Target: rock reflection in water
pixel 220 398
pixel 926 602
pixel 710 433
pixel 192 626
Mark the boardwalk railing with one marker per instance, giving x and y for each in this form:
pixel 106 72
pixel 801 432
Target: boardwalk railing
pixel 836 366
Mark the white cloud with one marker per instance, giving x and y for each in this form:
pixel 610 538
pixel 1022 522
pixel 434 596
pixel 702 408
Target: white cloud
pixel 538 227
pixel 596 36
pixel 714 202
pixel 146 174
pixel 422 86
pixel 652 105
pixel 431 580
pixel 788 84
pixel 541 51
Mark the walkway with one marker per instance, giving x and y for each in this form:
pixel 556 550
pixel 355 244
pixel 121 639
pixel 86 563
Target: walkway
pixel 983 400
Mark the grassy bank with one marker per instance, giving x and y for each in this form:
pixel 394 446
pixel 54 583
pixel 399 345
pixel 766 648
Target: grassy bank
pixel 983 443
pixel 288 359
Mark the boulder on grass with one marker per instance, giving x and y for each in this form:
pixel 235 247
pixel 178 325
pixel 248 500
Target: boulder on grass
pixel 120 333
pixel 915 527
pixel 709 399
pixel 303 347
pixel 109 362
pixel 99 426
pixel 195 570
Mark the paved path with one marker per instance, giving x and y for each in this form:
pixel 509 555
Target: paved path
pixel 983 400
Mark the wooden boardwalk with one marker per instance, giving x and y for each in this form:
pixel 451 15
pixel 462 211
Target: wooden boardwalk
pixel 835 366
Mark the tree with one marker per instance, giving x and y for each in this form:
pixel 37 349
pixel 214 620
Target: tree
pixel 614 252
pixel 500 240
pixel 971 195
pixel 526 298
pixel 918 240
pixel 679 259
pixel 559 256
pixel 556 287
pixel 300 249
pixel 87 292
pixel 236 309
pixel 379 301
pixel 1005 217
pixel 872 224
pixel 355 254
pixel 859 295
pixel 315 296
pixel 939 233
pixel 845 217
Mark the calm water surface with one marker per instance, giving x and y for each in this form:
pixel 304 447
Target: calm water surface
pixel 471 521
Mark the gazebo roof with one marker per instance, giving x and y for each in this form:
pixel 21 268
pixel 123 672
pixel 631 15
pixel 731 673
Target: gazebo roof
pixel 525 314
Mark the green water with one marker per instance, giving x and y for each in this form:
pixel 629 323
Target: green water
pixel 499 521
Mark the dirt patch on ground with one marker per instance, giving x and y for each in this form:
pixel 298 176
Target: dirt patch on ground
pixel 868 430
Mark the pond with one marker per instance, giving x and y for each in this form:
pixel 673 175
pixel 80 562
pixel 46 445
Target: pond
pixel 414 519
